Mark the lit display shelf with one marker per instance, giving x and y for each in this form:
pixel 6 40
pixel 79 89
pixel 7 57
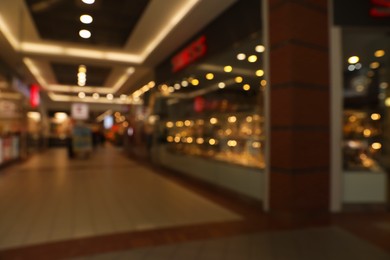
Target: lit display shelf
pixel 234 138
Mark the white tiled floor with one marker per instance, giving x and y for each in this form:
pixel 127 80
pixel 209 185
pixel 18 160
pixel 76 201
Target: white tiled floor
pixel 51 198
pixel 319 244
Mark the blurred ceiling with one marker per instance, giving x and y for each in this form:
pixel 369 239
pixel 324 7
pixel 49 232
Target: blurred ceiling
pixel 40 40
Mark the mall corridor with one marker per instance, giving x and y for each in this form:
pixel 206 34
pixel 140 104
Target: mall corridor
pixel 111 207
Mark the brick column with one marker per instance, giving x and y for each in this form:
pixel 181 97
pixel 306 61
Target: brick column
pixel 299 108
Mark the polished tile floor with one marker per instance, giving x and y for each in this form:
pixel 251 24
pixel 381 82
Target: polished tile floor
pixel 111 207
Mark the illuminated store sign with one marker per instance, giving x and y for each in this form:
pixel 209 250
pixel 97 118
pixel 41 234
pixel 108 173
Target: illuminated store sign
pixel 34 95
pixel 190 54
pixel 381 8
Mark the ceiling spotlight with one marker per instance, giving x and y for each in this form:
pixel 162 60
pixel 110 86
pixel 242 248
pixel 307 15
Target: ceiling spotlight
pixel 96 96
pixel 81 95
pixel 85 34
pixel 252 58
pixel 241 56
pixel 221 85
pixel 228 69
pixel 184 83
pixel 123 97
pixel 260 48
pixel 88 2
pixel 86 19
pixel 260 73
pixel 110 96
pixel 353 59
pixel 82 69
pixel 209 76
pixel 374 65
pixel 238 79
pixel 81 83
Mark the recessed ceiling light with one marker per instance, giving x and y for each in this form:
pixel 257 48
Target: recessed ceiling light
pixel 238 79
pixel 86 19
pixel 82 69
pixel 85 34
pixel 123 97
pixel 96 95
pixel 88 2
pixel 353 59
pixel 209 76
pixel 110 96
pixel 241 56
pixel 221 85
pixel 260 73
pixel 228 69
pixel 260 48
pixel 81 95
pixel 246 87
pixel 252 58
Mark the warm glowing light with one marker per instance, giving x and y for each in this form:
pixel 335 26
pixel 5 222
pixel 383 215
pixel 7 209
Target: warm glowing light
pixel 387 102
pixel 249 119
pixel 212 141
pixel 384 85
pixel 367 132
pixel 379 53
pixel 241 56
pixel 200 122
pixel 375 116
pixel 252 58
pixel 177 86
pixel 110 96
pixel 95 95
pixel 209 76
pixel 36 116
pixel 199 140
pixel 263 83
pixel 353 59
pixel 81 95
pixel 352 119
pixel 221 85
pixel 85 34
pixel 60 116
pixel 177 139
pixel 256 145
pixel 260 73
pixel 228 69
pixel 374 65
pixel 184 83
pixel 232 143
pixel 190 140
pixel 82 69
pixel 86 19
pixel 170 139
pixel 246 87
pixel 125 124
pixel 89 2
pixel 376 146
pixel 238 79
pixel 169 124
pixel 195 82
pixel 232 119
pixel 213 120
pixel 171 89
pixel 187 123
pixel 260 48
pixel 179 124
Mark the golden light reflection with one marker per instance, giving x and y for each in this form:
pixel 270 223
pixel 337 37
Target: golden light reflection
pixel 212 141
pixel 239 79
pixel 379 53
pixel 376 146
pixel 232 119
pixel 209 76
pixel 199 140
pixel 213 120
pixel 169 124
pixel 170 139
pixel 375 116
pixel 367 132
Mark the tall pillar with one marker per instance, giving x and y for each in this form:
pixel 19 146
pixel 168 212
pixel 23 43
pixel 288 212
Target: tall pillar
pixel 299 108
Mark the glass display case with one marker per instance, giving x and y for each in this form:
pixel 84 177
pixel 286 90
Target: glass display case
pixel 236 138
pixel 362 144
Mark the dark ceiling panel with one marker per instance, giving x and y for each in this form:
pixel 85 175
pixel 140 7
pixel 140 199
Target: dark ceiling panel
pixel 113 22
pixel 66 74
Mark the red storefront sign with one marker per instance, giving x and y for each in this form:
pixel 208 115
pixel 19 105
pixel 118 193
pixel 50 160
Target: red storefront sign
pixel 34 95
pixel 190 54
pixel 381 8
